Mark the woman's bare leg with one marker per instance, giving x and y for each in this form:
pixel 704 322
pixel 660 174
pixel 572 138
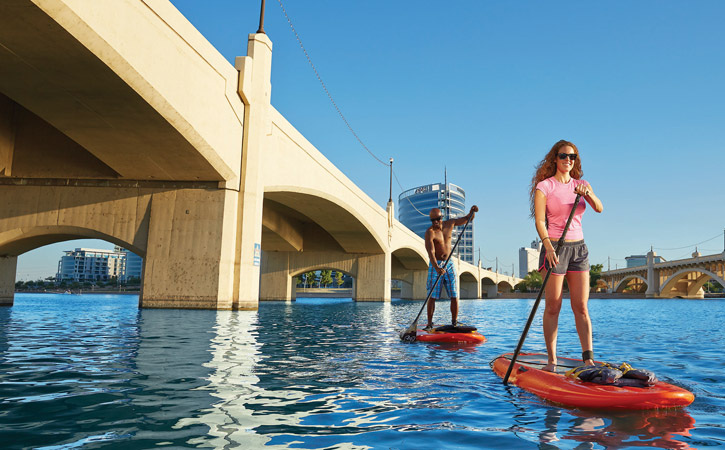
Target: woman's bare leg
pixel 579 292
pixel 553 293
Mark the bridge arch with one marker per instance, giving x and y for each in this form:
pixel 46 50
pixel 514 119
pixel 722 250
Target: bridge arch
pixel 668 287
pixel 504 286
pixel 411 258
pixel 624 282
pixel 298 218
pixel 17 241
pixel 468 285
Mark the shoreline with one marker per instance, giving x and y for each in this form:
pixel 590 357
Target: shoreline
pixel 347 293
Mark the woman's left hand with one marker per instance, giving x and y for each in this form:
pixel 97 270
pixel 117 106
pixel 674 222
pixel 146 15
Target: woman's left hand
pixel 583 189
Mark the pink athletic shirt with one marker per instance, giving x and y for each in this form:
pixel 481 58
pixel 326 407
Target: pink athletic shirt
pixel 559 201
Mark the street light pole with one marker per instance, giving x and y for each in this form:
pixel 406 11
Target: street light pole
pixel 390 199
pixel 261 20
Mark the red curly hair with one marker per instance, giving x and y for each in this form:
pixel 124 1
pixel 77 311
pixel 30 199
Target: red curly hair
pixel 547 168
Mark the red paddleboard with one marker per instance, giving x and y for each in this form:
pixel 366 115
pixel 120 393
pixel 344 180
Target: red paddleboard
pixel 451 335
pixel 558 388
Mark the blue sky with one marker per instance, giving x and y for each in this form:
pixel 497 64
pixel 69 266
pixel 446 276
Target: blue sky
pixel 485 88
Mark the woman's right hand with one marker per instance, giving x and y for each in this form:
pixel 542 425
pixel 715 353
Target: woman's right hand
pixel 552 258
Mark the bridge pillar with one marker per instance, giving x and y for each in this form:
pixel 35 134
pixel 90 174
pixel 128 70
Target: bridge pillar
pixel 415 287
pixel 420 291
pixel 491 290
pixel 372 281
pixel 8 267
pixel 255 90
pixel 468 289
pixel 653 281
pixel 276 282
pixel 189 260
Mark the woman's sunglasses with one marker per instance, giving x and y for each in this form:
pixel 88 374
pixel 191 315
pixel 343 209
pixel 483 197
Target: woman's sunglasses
pixel 571 156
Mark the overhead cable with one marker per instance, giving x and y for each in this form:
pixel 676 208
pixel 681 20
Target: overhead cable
pixel 319 78
pixel 691 245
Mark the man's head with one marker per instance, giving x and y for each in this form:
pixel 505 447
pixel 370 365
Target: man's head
pixel 436 217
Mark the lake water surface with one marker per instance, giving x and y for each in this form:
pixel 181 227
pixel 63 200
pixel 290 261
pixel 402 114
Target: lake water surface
pixel 94 371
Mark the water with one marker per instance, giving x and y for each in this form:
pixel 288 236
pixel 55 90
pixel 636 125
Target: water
pixel 94 371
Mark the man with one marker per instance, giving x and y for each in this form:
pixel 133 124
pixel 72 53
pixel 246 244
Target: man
pixel 438 246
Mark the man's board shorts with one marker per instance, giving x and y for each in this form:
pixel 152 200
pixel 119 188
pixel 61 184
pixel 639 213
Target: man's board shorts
pixel 449 279
pixel 573 257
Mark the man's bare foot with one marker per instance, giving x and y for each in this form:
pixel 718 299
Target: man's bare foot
pixel 589 362
pixel 551 367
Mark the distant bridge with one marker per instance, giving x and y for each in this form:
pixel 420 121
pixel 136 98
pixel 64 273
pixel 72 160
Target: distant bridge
pixel 682 278
pixel 119 121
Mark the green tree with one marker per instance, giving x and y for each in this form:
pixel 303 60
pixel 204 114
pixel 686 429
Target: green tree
pixel 595 274
pixel 339 278
pixel 326 277
pixel 300 279
pixel 310 278
pixel 533 280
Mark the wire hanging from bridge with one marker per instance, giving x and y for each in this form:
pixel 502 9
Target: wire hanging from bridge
pixel 691 245
pixel 337 108
pixel 319 78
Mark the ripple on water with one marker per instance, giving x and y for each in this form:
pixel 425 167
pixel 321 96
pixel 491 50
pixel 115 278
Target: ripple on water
pixel 94 371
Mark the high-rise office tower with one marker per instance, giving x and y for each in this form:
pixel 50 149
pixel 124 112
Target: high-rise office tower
pixel 415 204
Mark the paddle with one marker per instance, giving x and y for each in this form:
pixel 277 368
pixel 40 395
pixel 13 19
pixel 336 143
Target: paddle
pixel 541 291
pixel 409 333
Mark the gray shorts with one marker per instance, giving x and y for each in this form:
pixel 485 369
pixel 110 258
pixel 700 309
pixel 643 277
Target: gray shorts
pixel 573 257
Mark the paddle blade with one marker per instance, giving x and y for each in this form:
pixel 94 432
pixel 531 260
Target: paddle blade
pixel 409 334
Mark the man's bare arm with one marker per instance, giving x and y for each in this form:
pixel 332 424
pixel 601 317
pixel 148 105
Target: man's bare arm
pixel 464 219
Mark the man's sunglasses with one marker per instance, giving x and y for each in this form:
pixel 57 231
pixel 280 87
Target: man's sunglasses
pixel 436 219
pixel 571 156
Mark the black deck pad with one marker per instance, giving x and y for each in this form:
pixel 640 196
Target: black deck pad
pixel 538 361
pixel 456 329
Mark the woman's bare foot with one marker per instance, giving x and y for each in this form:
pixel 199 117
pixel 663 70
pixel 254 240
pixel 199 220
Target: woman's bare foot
pixel 551 367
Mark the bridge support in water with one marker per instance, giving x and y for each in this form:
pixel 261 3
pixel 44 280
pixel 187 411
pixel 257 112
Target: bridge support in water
pixel 370 272
pixel 8 266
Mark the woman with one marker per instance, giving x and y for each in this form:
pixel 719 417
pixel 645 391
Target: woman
pixel 554 187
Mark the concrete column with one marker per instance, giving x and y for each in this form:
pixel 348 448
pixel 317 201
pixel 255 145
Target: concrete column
pixel 653 281
pixel 276 283
pixel 468 289
pixel 7 135
pixel 406 290
pixel 255 89
pixel 189 261
pixel 8 267
pixel 491 290
pixel 420 278
pixel 372 278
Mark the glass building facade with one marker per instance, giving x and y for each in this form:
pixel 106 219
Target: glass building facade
pixel 415 204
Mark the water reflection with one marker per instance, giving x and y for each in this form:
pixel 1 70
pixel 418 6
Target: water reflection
pixel 235 353
pixel 650 428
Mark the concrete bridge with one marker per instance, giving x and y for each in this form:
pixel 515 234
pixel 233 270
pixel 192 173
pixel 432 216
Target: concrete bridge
pixel 119 121
pixel 682 278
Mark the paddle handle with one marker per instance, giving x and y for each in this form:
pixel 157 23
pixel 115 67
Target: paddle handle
pixel 430 291
pixel 541 291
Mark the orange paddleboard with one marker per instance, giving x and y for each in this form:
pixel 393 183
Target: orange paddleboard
pixel 557 388
pixel 451 335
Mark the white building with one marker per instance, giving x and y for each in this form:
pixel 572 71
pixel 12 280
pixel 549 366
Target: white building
pixel 88 264
pixel 134 264
pixel 529 258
